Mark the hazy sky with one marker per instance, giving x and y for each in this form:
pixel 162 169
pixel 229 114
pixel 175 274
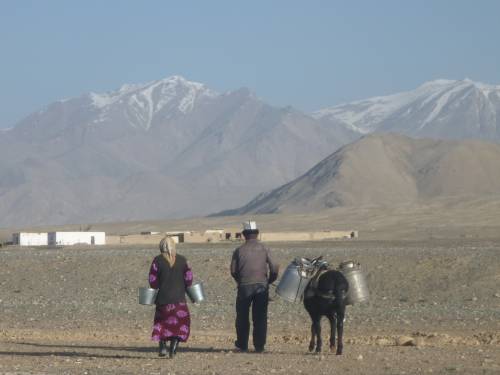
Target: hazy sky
pixel 308 54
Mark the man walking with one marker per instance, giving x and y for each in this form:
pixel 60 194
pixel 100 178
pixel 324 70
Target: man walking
pixel 253 270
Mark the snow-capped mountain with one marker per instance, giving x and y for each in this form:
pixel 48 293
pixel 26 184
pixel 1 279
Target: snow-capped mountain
pixel 132 107
pixel 145 103
pixel 442 109
pixel 169 148
pixel 175 148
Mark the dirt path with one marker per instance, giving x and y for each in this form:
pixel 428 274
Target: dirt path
pixel 434 309
pixel 80 352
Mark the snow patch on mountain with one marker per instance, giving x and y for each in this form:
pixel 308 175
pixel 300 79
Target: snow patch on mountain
pixel 441 98
pixel 146 100
pixel 420 110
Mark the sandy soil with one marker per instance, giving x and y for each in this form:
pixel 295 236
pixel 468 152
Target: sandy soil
pixel 435 308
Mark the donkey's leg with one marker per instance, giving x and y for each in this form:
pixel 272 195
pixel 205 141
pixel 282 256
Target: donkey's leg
pixel 311 310
pixel 333 326
pixel 340 328
pixel 317 328
pixel 313 334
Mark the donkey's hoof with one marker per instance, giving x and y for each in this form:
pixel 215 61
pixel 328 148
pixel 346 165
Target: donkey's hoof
pixel 311 347
pixel 339 352
pixel 332 348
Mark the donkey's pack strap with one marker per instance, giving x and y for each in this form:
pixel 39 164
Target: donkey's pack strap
pixel 315 280
pixel 329 296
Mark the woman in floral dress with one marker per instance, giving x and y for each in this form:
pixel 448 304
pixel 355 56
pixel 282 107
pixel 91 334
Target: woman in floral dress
pixel 171 275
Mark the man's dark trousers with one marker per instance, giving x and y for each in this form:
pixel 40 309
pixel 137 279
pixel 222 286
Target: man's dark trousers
pixel 257 296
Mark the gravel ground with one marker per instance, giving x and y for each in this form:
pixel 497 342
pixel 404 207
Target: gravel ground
pixel 434 308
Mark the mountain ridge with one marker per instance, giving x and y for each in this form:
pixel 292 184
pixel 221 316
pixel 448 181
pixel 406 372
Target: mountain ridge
pixel 395 168
pixel 448 109
pixel 78 162
pixel 173 148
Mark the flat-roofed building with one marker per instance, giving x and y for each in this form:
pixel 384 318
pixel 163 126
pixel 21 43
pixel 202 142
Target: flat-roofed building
pixel 30 239
pixel 73 238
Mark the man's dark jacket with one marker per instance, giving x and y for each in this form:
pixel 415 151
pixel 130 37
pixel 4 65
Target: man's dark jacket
pixel 252 264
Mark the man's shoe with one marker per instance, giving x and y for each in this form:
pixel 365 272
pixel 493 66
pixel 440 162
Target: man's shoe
pixel 259 350
pixel 239 349
pixel 163 349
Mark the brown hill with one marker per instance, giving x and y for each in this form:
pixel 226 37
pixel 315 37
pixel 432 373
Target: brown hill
pixel 387 169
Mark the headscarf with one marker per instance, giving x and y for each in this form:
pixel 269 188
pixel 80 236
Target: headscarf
pixel 167 249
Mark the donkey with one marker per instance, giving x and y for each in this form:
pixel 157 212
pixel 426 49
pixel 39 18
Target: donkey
pixel 326 296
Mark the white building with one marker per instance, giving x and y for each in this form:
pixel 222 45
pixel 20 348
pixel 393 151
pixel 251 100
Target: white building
pixel 30 239
pixel 73 238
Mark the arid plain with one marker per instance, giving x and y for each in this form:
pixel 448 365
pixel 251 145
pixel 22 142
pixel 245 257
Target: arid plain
pixel 433 274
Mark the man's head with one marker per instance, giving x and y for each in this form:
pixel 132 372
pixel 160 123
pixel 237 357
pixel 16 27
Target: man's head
pixel 250 230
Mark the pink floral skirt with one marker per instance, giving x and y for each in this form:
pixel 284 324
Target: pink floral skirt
pixel 171 320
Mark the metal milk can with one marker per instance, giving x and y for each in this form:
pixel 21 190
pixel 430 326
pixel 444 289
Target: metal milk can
pixel 147 296
pixel 358 289
pixel 196 293
pixel 295 279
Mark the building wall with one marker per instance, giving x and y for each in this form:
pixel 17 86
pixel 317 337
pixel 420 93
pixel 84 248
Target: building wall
pixel 307 236
pixel 202 237
pixel 30 239
pixel 285 236
pixel 135 239
pixel 220 236
pixel 73 238
pixel 334 234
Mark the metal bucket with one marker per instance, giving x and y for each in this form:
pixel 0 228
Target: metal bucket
pixel 147 296
pixel 294 281
pixel 358 289
pixel 196 293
